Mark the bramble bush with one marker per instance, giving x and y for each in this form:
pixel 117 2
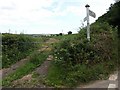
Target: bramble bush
pixel 80 51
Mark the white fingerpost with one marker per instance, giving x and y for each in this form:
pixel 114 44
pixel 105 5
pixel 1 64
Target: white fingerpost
pixel 88 25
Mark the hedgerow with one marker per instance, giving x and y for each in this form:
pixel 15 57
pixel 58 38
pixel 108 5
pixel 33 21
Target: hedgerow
pixel 81 61
pixel 15 47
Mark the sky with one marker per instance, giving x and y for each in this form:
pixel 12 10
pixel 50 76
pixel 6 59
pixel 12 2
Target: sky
pixel 47 16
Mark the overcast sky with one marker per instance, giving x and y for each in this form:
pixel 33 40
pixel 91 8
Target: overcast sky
pixel 47 16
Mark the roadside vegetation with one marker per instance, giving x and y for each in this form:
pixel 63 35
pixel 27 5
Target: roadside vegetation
pixel 17 47
pixel 36 58
pixel 79 61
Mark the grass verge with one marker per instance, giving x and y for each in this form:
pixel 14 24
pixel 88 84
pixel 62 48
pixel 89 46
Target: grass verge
pixel 79 74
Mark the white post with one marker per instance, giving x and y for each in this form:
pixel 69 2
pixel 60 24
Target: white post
pixel 88 26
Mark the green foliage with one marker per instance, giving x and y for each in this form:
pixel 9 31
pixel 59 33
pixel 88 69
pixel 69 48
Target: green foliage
pixel 71 54
pixel 79 61
pixel 66 37
pixel 83 52
pixel 38 58
pixel 112 16
pixel 80 73
pixel 55 76
pixel 15 47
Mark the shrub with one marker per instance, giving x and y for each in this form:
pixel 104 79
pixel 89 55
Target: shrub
pixel 69 32
pixel 82 61
pixel 15 47
pixel 60 34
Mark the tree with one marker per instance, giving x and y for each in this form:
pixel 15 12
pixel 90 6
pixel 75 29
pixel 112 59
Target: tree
pixel 69 32
pixel 112 16
pixel 60 34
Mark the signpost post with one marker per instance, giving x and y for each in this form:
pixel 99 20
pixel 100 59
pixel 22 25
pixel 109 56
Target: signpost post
pixel 91 13
pixel 88 26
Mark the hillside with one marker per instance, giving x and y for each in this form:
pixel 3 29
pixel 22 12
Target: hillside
pixel 112 16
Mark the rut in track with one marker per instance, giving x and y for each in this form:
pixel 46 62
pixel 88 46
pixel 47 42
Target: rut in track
pixel 41 70
pixel 6 71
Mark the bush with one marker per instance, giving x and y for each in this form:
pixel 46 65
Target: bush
pixel 15 47
pixel 70 54
pixel 60 34
pixel 69 32
pixel 80 61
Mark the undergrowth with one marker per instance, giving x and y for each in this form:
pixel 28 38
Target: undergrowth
pixel 16 47
pixel 79 61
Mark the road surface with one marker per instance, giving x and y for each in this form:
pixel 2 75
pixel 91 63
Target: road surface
pixel 110 84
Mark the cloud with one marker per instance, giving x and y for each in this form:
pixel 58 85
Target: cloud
pixel 47 14
pixel 23 11
pixel 7 8
pixel 52 7
pixel 117 0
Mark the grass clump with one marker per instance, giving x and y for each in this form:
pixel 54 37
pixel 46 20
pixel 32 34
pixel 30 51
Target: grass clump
pixel 79 74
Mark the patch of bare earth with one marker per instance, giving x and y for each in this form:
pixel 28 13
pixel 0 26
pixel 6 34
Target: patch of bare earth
pixel 7 71
pixel 52 40
pixel 43 69
pixel 14 67
pixel 27 82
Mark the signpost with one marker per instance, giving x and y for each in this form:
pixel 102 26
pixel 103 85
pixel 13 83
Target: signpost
pixel 91 13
